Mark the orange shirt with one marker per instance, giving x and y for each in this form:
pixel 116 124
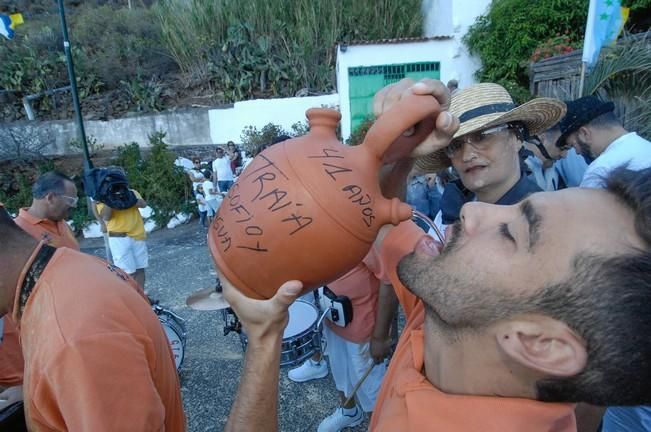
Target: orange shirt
pixel 96 356
pixel 11 355
pixel 362 288
pixel 409 402
pixel 55 234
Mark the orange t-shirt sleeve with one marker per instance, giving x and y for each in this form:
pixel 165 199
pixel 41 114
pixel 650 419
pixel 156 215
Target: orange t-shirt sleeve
pixel 399 242
pixel 100 384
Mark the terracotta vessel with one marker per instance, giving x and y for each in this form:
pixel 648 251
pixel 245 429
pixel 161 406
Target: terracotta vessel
pixel 310 208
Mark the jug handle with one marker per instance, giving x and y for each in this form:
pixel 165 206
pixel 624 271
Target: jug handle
pixel 393 123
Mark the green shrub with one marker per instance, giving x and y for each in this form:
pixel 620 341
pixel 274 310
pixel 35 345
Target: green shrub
pixel 507 36
pixel 274 48
pixel 167 188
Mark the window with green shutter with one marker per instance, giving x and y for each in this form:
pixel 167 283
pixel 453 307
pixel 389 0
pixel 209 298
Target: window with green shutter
pixel 365 81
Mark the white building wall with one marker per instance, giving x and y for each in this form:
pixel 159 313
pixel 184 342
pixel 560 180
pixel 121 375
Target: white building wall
pixel 442 18
pixel 228 124
pixel 453 18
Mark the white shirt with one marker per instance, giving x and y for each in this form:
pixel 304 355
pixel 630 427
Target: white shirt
pixel 630 150
pixel 196 173
pixel 222 167
pixel 200 199
pixel 207 187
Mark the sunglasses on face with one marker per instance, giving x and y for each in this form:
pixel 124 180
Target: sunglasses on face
pixel 564 146
pixel 478 140
pixel 70 201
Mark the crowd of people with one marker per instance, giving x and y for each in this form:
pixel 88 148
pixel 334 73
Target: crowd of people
pixel 530 312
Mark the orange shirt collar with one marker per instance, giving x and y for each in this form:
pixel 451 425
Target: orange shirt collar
pixel 15 315
pixel 24 213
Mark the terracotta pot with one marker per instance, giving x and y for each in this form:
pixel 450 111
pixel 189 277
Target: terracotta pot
pixel 310 208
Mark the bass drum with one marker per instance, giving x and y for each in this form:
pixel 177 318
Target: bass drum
pixel 174 327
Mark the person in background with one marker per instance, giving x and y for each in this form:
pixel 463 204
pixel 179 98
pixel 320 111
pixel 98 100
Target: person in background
pixel 195 174
pixel 549 166
pixel 453 86
pixel 222 174
pixel 202 206
pixel 212 195
pixel 54 196
pixel 485 150
pixel 127 238
pixel 594 131
pixel 234 156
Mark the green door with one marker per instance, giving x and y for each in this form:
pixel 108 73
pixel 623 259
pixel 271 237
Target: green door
pixel 365 81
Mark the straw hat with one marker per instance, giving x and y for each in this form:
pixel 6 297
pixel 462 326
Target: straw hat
pixel 486 105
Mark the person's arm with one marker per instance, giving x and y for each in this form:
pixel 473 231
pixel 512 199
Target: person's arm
pixel 256 403
pixel 195 178
pixel 214 172
pixel 141 203
pixel 106 213
pixel 387 308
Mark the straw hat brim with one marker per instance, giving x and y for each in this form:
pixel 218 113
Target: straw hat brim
pixel 537 115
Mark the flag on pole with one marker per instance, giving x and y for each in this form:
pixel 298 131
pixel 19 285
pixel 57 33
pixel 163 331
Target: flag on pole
pixel 606 20
pixel 8 23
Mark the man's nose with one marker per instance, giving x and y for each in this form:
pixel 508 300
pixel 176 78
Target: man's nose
pixel 476 216
pixel 468 152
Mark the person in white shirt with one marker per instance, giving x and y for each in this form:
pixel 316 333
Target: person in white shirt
pixel 552 168
pixel 222 174
pixel 195 174
pixel 212 195
pixel 592 128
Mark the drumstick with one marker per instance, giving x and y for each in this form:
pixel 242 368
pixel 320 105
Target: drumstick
pixel 359 384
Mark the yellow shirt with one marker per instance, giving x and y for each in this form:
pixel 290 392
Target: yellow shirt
pixel 126 221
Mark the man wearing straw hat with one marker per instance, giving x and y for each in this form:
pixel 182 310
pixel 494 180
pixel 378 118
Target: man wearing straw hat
pixel 485 149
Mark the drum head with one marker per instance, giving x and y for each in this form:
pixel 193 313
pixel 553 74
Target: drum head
pixel 302 315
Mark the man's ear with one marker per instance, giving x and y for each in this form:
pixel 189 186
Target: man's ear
pixel 585 133
pixel 543 344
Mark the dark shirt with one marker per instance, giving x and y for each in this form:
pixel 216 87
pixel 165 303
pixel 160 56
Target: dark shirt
pixel 456 195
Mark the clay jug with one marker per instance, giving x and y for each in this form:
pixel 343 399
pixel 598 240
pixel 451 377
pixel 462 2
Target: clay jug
pixel 309 208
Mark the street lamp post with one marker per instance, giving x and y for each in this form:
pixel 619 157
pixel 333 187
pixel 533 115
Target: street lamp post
pixel 73 88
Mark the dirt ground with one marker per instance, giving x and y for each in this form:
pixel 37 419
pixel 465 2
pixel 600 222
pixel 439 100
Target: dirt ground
pixel 180 264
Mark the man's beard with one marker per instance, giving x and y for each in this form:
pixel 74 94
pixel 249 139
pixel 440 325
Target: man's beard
pixel 586 151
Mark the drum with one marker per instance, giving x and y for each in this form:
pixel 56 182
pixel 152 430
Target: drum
pixel 302 336
pixel 174 327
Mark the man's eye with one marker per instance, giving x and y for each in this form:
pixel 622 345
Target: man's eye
pixel 504 231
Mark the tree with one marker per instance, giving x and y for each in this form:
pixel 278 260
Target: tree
pixel 509 33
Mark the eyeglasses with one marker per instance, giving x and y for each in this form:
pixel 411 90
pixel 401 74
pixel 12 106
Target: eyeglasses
pixel 478 140
pixel 70 201
pixel 565 146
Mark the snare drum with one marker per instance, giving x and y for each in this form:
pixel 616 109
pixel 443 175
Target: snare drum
pixel 174 327
pixel 302 336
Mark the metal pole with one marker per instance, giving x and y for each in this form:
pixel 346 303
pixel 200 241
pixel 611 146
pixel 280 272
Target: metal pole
pixel 73 88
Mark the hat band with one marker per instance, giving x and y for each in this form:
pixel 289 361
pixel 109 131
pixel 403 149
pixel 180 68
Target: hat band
pixel 485 109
